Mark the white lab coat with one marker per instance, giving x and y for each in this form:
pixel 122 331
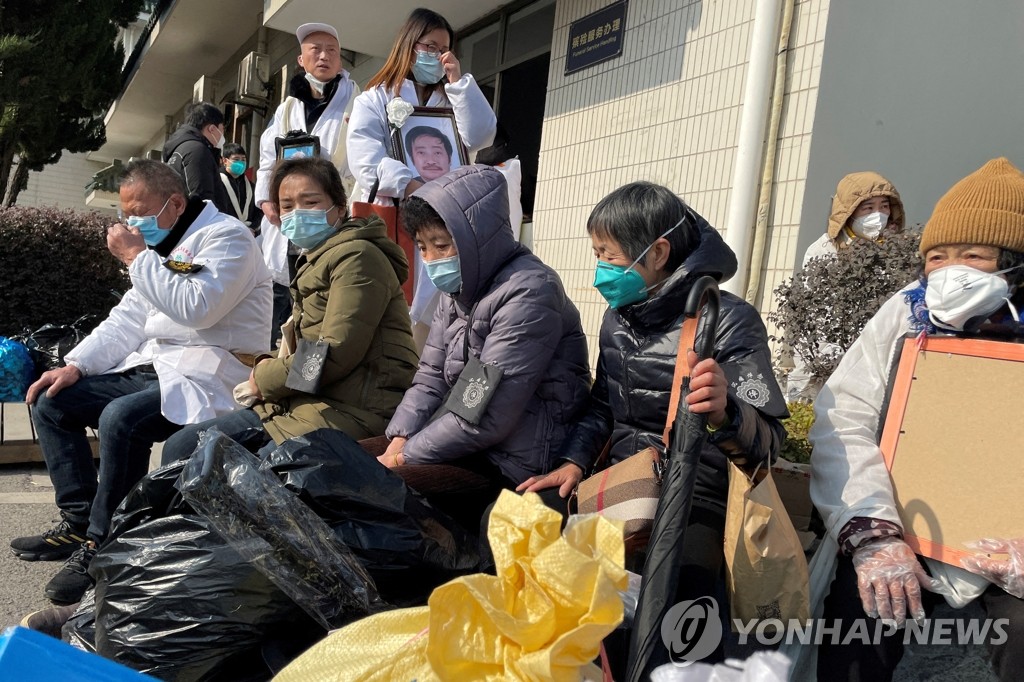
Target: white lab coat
pixel 369 156
pixel 848 475
pixel 187 325
pixel 329 129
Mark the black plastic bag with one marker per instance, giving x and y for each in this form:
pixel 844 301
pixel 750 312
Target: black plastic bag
pixel 173 599
pixel 407 546
pixel 271 527
pixel 50 343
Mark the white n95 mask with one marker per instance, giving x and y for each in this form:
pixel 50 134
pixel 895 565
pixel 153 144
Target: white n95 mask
pixel 871 225
pixel 959 295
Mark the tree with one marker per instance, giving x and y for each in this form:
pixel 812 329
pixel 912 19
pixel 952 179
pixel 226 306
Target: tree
pixel 60 69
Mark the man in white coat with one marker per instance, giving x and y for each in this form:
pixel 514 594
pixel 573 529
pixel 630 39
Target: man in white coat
pixel 169 354
pixel 319 104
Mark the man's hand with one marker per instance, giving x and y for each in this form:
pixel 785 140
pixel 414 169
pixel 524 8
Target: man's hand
pixel 54 381
pixel 708 389
pixel 566 477
pixel 393 456
pixel 125 242
pixel 451 65
pixel 269 209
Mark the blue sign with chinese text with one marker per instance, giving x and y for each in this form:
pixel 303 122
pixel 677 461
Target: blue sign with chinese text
pixel 596 37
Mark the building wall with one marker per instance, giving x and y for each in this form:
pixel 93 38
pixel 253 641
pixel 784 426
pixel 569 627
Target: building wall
pixel 61 184
pixel 939 93
pixel 668 111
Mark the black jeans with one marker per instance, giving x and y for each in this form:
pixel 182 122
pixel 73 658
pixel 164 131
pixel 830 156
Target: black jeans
pixel 859 660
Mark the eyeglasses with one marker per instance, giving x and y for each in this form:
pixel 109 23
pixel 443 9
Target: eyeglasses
pixel 431 49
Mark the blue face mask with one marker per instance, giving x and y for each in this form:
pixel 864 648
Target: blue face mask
pixel 236 168
pixel 148 228
pixel 307 228
pixel 622 286
pixel 445 273
pixel 427 69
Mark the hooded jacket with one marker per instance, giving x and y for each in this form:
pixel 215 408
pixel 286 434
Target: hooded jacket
pixel 522 322
pixel 197 162
pixel 347 291
pixel 638 345
pixel 851 191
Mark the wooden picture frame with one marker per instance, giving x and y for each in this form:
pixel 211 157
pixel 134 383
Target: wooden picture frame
pixel 438 147
pixel 948 439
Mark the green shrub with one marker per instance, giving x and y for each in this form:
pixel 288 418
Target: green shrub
pixel 797 448
pixel 823 308
pixel 56 267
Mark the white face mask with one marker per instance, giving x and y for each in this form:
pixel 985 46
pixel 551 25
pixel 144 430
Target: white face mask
pixel 870 226
pixel 957 295
pixel 317 84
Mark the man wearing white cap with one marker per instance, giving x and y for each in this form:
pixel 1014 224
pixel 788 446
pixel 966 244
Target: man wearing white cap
pixel 315 114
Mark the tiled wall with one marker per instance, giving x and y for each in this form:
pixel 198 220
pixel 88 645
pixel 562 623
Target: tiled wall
pixel 668 111
pixel 61 184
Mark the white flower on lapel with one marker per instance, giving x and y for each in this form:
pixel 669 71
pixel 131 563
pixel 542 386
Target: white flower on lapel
pixel 398 112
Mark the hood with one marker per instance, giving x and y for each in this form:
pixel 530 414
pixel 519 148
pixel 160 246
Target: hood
pixel 855 188
pixel 712 257
pixel 373 230
pixel 473 203
pixel 184 134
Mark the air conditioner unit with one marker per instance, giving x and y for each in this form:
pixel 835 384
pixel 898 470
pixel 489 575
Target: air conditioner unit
pixel 253 79
pixel 205 90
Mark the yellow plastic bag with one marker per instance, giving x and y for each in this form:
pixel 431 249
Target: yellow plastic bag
pixel 543 617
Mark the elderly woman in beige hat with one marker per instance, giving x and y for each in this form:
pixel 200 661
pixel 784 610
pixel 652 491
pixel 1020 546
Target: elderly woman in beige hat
pixel 973 250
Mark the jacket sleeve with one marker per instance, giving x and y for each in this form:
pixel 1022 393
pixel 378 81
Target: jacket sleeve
pixel 755 404
pixel 123 332
pixel 368 140
pixel 268 159
pixel 473 113
pixel 355 306
pixel 848 474
pixel 429 386
pixel 524 333
pixel 588 436
pixel 227 253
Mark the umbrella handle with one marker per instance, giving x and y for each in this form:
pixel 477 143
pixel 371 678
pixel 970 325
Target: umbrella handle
pixel 704 300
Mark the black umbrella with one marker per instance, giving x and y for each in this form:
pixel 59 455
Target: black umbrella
pixel 661 568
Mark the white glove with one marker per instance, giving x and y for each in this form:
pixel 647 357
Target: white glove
pixel 1007 575
pixel 890 578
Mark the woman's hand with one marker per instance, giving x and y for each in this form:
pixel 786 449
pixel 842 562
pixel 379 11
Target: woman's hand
pixel 708 389
pixel 412 187
pixel 253 388
pixel 393 456
pixel 451 65
pixel 1007 575
pixel 565 477
pixel 890 578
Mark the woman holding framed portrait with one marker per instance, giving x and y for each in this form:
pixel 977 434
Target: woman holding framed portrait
pixel 421 72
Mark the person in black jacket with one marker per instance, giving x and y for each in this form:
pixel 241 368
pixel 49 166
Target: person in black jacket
pixel 193 151
pixel 650 248
pixel 238 187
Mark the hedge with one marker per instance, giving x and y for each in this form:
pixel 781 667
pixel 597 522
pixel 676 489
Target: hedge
pixel 56 268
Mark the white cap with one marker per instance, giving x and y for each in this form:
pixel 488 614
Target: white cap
pixel 302 31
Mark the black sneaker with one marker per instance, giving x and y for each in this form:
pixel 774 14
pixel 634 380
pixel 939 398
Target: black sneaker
pixel 49 621
pixel 68 586
pixel 56 544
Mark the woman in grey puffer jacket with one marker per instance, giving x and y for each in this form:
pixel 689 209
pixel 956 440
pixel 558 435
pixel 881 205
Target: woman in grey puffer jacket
pixel 522 323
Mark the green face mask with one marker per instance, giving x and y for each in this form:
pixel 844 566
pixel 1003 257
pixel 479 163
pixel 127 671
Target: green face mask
pixel 236 168
pixel 622 286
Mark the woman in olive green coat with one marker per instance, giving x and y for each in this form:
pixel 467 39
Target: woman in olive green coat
pixel 348 295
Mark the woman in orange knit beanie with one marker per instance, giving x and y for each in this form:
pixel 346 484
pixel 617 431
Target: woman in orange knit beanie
pixel 973 250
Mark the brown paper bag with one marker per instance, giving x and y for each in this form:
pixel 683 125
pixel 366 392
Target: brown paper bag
pixel 766 570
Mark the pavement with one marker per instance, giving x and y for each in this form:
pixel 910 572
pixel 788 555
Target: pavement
pixel 27 507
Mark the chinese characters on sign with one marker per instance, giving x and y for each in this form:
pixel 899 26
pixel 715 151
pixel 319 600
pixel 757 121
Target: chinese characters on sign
pixel 596 37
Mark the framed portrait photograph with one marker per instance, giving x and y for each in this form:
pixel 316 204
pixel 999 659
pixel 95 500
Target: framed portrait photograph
pixel 429 143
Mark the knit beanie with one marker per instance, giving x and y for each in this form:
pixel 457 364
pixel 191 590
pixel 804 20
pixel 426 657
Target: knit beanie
pixel 986 207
